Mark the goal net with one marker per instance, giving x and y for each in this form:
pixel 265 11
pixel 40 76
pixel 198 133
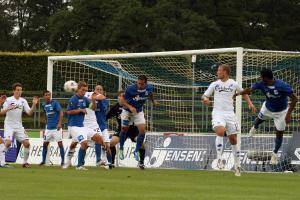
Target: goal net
pixel 179 81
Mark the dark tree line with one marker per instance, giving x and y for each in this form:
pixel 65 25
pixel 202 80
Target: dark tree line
pixel 148 25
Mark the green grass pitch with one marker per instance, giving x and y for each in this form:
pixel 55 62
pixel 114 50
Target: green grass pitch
pixel 123 183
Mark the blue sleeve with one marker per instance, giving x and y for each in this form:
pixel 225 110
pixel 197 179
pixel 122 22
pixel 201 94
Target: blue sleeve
pixel 287 89
pixel 150 89
pixel 256 85
pixel 72 104
pixel 87 102
pixel 57 106
pixel 127 94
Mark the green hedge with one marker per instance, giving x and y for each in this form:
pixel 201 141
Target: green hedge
pixel 29 68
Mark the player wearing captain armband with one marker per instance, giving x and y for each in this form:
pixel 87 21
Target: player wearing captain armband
pixel 275 106
pixel 223 116
pixel 135 98
pixel 13 108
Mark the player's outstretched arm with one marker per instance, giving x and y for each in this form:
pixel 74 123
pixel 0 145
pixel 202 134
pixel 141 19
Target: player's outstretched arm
pixel 28 110
pixel 249 102
pixel 122 101
pixel 294 100
pixel 205 100
pixel 61 116
pixel 76 111
pixel 245 91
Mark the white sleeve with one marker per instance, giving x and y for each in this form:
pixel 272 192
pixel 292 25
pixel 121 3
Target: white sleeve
pixel 238 87
pixel 5 105
pixel 210 90
pixel 26 107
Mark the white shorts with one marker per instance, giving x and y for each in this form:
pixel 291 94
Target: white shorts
pixel 53 134
pixel 78 134
pixel 92 132
pixel 128 118
pixel 105 135
pixel 18 133
pixel 227 120
pixel 278 117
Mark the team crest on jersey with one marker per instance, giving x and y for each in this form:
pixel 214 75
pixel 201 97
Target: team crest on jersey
pixel 220 88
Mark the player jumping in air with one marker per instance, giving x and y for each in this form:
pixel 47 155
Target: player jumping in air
pixel 132 132
pixel 13 108
pixel 135 98
pixel 54 116
pixel 275 106
pixel 223 116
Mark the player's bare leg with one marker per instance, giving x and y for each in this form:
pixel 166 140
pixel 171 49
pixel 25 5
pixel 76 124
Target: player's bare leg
pixel 220 130
pixel 235 151
pixel 26 146
pixel 278 143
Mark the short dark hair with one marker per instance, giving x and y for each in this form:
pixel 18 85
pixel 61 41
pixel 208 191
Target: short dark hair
pixel 15 85
pixel 45 92
pixel 226 68
pixel 266 73
pixel 120 92
pixel 142 77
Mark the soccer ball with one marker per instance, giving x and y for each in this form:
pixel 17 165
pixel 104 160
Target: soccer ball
pixel 70 86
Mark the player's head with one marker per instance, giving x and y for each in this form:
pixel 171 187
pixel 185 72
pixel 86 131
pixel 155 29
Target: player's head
pixel 99 89
pixel 266 76
pixel 121 92
pixel 17 89
pixel 82 88
pixel 47 95
pixel 223 71
pixel 142 82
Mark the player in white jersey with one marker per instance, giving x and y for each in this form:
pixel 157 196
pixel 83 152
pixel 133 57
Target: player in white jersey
pixel 223 116
pixel 13 108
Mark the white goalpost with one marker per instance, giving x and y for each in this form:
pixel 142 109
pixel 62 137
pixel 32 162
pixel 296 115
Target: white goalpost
pixel 179 79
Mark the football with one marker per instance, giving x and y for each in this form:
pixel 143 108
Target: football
pixel 70 86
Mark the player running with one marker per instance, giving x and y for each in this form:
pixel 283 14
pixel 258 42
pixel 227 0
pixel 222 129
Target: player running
pixel 223 116
pixel 275 106
pixel 53 131
pixel 13 108
pixel 132 132
pixel 76 112
pixel 135 98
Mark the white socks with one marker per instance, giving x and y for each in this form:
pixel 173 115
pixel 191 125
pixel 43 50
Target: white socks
pixel 2 154
pixel 235 152
pixel 26 154
pixel 219 147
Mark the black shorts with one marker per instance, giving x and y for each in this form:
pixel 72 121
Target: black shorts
pixel 132 133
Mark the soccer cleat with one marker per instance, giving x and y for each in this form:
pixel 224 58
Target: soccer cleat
pixel 220 164
pixel 136 156
pixel 101 163
pixel 252 131
pixel 274 159
pixel 237 170
pixel 6 166
pixel 66 166
pixel 82 168
pixel 141 166
pixel 121 155
pixel 26 165
pixel 42 163
pixel 110 166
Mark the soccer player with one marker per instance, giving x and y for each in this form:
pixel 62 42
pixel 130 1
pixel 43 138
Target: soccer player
pixel 135 98
pixel 223 116
pixel 132 132
pixel 275 106
pixel 76 112
pixel 90 122
pixel 13 108
pixel 101 110
pixel 54 116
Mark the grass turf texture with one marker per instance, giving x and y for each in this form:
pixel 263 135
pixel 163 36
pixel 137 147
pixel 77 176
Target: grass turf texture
pixel 122 183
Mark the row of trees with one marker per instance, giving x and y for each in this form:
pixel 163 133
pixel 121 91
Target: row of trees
pixel 148 25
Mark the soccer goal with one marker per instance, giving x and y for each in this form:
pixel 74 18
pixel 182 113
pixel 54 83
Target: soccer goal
pixel 180 132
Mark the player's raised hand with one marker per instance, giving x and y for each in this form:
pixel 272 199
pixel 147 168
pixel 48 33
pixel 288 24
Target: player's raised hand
pixel 2 99
pixel 205 100
pixel 252 108
pixel 35 100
